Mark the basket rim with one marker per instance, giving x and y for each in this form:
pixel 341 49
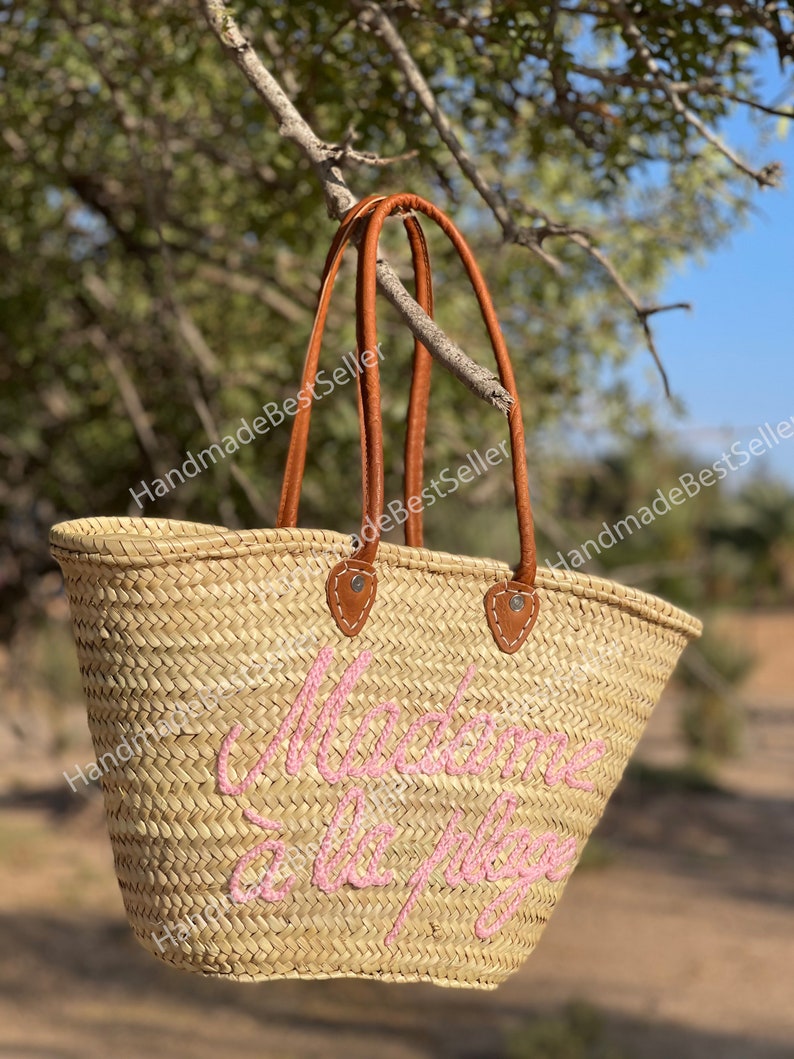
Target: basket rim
pixel 128 541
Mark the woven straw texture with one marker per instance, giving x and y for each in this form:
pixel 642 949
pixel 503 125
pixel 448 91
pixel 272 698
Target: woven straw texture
pixel 165 612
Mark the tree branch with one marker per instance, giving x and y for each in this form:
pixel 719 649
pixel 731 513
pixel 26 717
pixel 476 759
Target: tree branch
pixel 768 17
pixel 531 237
pixel 642 311
pixel 706 86
pixel 267 293
pixel 131 399
pixel 374 17
pixel 327 160
pixel 767 176
pixel 254 497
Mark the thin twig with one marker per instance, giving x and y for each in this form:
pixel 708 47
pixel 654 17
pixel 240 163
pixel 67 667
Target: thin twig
pixel 642 312
pixel 267 293
pixel 210 427
pixel 131 399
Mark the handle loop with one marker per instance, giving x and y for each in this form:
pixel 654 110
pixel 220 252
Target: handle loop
pixel 511 606
pixel 420 383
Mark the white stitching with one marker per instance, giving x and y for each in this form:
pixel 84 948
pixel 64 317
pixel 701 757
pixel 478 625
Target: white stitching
pixel 506 592
pixel 336 575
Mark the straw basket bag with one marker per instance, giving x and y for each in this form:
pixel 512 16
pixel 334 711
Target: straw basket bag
pixel 327 758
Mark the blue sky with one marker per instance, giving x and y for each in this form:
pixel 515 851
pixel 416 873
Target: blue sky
pixel 731 359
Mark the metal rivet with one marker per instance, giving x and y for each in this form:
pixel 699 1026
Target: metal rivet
pixel 357 582
pixel 516 602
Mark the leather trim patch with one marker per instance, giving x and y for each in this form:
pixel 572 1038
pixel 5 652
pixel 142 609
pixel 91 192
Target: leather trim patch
pixel 349 608
pixel 510 627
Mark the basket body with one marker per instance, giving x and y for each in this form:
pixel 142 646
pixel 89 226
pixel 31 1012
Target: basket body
pixel 287 801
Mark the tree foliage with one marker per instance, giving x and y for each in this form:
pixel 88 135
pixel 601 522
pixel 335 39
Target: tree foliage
pixel 162 239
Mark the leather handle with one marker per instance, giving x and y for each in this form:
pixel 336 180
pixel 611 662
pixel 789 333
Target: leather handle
pixel 296 454
pixel 422 364
pixel 511 606
pixel 420 385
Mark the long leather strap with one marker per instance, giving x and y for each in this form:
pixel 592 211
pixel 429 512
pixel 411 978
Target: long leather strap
pixel 416 427
pixel 296 454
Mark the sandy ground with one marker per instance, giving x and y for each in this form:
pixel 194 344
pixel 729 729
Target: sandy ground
pixel 682 937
